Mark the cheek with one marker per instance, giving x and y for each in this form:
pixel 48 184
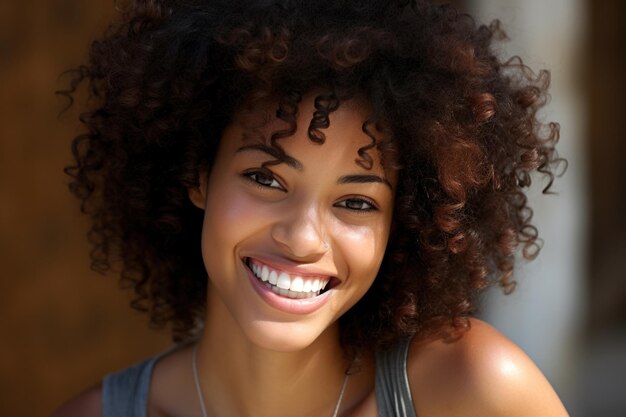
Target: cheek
pixel 229 219
pixel 225 211
pixel 363 248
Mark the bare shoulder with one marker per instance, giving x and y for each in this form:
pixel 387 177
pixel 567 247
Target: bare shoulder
pixel 482 373
pixel 88 404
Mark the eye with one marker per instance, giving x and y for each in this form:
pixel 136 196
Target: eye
pixel 263 178
pixel 357 204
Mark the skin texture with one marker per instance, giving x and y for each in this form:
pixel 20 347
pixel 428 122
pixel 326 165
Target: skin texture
pixel 256 360
pixel 481 374
pixel 87 403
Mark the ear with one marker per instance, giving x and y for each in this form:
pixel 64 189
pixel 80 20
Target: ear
pixel 198 194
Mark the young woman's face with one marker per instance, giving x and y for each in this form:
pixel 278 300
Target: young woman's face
pixel 291 247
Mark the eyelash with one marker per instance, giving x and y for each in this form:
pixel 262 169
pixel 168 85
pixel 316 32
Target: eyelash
pixel 253 177
pixel 344 204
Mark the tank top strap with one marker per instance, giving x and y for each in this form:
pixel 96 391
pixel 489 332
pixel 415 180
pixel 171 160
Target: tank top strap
pixel 393 394
pixel 125 393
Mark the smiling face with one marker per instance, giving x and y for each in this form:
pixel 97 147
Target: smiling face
pixel 291 247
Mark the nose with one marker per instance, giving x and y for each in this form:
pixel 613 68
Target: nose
pixel 300 232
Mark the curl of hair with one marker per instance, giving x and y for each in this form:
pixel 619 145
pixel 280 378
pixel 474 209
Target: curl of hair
pixel 460 125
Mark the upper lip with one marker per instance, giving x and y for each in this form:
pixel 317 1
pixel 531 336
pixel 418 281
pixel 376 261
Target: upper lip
pixel 302 270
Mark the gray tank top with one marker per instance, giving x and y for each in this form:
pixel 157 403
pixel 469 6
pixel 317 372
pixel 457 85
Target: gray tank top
pixel 125 393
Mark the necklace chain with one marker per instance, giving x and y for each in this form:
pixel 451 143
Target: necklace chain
pixel 196 378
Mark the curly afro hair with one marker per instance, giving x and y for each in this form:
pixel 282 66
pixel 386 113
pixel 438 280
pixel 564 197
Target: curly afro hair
pixel 462 129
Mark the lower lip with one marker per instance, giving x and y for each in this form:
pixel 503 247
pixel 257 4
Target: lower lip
pixel 288 305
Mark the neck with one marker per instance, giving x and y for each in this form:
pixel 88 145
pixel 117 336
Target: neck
pixel 243 379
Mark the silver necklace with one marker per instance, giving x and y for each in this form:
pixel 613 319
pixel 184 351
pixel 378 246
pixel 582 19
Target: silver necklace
pixel 194 363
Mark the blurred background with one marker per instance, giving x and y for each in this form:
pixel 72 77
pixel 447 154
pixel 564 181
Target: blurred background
pixel 63 327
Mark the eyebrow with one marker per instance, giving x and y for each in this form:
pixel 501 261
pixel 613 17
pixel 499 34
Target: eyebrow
pixel 290 161
pixel 294 163
pixel 363 179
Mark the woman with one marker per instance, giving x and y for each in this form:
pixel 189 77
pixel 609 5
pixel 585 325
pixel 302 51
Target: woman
pixel 312 195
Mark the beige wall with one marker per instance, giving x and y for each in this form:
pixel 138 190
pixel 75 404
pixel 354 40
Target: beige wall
pixel 62 326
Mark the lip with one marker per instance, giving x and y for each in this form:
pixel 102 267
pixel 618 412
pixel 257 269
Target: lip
pixel 288 305
pixel 302 270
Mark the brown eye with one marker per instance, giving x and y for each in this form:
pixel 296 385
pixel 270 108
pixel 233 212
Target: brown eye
pixel 357 204
pixel 263 179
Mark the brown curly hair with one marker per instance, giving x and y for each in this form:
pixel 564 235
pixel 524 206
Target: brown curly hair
pixel 462 124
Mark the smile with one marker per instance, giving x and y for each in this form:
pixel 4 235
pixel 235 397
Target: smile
pixel 285 284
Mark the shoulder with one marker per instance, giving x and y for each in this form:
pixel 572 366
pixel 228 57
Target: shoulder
pixel 87 404
pixel 481 373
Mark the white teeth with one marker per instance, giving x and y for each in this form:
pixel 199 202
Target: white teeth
pixel 283 281
pixel 297 284
pixel 273 278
